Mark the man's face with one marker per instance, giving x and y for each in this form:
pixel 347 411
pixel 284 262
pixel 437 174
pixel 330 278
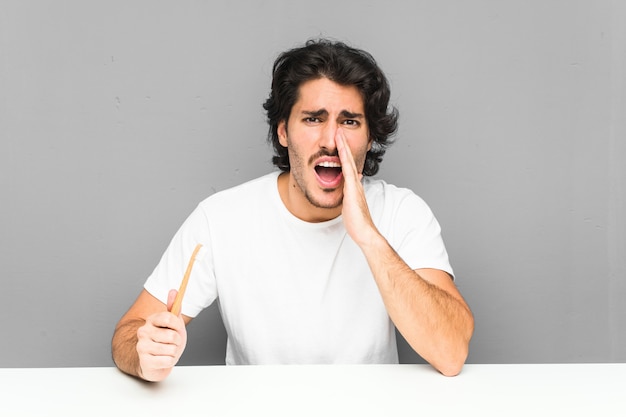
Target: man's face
pixel 315 191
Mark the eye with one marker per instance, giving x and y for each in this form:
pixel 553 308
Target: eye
pixel 351 122
pixel 312 120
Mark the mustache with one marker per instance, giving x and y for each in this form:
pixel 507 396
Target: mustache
pixel 323 152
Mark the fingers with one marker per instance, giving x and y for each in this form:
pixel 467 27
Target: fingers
pixel 348 166
pixel 356 216
pixel 162 329
pixel 155 354
pixel 160 344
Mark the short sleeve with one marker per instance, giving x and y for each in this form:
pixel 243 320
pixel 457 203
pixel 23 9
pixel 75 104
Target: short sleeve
pixel 419 241
pixel 408 224
pixel 168 274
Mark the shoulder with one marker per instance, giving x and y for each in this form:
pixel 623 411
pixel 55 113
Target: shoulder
pixel 248 192
pixel 380 193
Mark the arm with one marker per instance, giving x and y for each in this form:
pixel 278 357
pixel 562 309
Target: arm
pixel 149 340
pixel 424 304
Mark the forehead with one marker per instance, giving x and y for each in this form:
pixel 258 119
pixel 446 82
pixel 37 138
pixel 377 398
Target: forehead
pixel 323 93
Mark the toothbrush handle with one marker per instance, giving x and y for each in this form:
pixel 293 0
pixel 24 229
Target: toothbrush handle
pixel 178 301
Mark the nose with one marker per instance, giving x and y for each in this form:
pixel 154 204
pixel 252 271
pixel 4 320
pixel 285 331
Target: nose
pixel 327 139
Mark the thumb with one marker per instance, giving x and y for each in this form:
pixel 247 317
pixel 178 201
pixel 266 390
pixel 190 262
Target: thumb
pixel 171 296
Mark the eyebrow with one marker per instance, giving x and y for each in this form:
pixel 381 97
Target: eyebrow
pixel 315 113
pixel 323 112
pixel 350 115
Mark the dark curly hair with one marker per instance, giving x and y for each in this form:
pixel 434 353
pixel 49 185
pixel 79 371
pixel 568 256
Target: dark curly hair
pixel 344 65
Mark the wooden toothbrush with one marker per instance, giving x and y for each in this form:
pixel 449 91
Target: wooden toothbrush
pixel 178 301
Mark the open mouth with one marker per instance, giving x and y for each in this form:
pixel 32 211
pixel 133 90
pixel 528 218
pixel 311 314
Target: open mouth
pixel 329 173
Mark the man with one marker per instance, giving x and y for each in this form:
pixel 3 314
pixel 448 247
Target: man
pixel 318 262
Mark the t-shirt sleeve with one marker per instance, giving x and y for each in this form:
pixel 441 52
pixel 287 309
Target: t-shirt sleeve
pixel 168 274
pixel 418 235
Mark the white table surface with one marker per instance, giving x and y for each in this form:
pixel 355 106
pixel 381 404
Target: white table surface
pixel 320 390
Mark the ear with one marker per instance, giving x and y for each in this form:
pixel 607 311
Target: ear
pixel 282 133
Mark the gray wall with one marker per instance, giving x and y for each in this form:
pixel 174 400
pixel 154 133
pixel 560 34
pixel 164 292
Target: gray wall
pixel 118 117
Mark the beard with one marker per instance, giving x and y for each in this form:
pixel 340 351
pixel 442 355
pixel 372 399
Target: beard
pixel 319 204
pixel 314 196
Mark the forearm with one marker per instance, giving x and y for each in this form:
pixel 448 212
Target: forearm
pixel 429 311
pixel 124 347
pixel 436 324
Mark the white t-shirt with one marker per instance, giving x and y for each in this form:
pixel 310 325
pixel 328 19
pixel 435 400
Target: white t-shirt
pixel 290 291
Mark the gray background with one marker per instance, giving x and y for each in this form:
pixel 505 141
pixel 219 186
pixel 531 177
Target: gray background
pixel 118 117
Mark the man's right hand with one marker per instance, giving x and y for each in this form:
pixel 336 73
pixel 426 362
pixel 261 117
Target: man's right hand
pixel 160 343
